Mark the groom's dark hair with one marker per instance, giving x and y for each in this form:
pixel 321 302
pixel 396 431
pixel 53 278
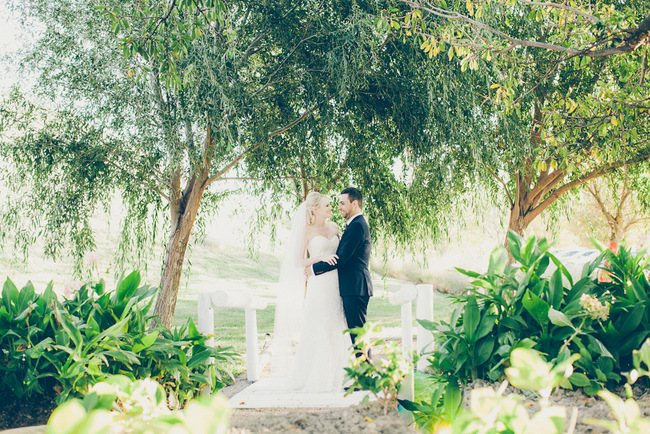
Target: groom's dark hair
pixel 354 194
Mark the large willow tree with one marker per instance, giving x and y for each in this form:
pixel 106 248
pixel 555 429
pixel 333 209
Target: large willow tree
pixel 160 100
pixel 556 94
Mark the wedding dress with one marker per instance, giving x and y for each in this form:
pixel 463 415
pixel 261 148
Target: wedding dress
pixel 323 351
pixel 309 350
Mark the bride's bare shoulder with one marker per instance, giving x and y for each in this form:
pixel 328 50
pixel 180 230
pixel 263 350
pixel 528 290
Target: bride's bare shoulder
pixel 333 228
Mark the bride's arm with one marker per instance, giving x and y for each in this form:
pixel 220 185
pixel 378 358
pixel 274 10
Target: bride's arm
pixel 330 259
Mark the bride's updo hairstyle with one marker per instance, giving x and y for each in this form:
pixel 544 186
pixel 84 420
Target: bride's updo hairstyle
pixel 314 201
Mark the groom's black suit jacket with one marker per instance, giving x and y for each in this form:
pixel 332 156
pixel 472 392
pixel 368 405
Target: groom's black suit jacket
pixel 354 255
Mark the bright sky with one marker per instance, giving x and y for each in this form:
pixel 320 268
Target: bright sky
pixel 9 43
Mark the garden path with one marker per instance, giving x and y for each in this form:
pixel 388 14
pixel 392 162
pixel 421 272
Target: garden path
pixel 267 393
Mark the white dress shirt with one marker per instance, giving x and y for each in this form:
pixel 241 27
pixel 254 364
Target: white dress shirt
pixel 353 217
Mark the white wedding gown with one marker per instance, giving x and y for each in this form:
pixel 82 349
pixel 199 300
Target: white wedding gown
pixel 323 351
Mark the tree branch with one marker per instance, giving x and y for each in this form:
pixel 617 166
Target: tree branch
pixel 155 188
pixel 589 176
pixel 632 42
pixel 273 133
pixel 576 11
pixel 502 182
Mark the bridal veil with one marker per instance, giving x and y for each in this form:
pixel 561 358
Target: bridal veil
pixel 290 296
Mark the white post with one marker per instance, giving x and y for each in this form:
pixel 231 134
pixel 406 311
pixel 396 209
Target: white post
pixel 252 367
pixel 424 310
pixel 206 317
pixel 407 390
pixel 404 298
pixel 407 329
pixel 207 301
pixel 206 327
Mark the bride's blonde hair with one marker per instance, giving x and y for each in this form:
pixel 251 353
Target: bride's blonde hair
pixel 314 200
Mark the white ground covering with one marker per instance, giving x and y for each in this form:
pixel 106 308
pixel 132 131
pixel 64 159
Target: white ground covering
pixel 269 393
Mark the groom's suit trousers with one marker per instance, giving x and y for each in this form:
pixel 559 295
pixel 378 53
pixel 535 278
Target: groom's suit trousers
pixel 355 308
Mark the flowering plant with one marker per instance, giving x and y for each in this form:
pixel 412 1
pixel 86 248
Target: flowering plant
pixel 594 308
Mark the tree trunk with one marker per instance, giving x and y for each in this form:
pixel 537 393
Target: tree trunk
pixel 519 209
pixel 185 213
pixel 614 231
pixel 518 222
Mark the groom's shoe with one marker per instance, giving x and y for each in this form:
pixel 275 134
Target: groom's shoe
pixel 354 389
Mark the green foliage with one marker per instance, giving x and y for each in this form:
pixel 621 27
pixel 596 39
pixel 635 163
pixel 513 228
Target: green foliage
pixel 445 403
pixel 74 344
pixel 627 413
pixel 121 404
pixel 557 94
pixel 491 412
pixel 516 306
pixel 179 95
pixel 383 377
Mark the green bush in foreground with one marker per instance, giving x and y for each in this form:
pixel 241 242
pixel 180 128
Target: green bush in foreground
pixel 382 378
pixel 491 412
pixel 120 405
pixel 516 306
pixel 69 346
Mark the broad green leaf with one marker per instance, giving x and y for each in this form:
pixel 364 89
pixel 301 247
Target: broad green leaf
pixel 537 308
pixel 595 344
pixel 193 332
pixel 127 287
pixel 73 332
pixel 498 261
pixel 639 291
pixel 579 379
pixel 453 399
pixel 147 341
pixel 472 274
pixel 486 325
pixel 559 319
pixel 471 318
pixel 556 289
pixel 9 295
pixel 628 321
pixel 527 251
pixel 484 349
pixel 198 358
pixel 561 267
pixel 514 243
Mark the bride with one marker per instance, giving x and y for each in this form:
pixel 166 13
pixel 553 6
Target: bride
pixel 311 349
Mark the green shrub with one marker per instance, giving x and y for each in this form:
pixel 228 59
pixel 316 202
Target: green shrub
pixel 71 345
pixel 382 378
pixel 121 405
pixel 514 306
pixel 492 412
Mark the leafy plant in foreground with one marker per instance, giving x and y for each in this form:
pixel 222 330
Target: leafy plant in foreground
pixel 627 413
pixel 381 377
pixel 445 403
pixel 120 405
pixel 491 412
pixel 74 344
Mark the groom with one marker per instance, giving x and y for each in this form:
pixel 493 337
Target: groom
pixel 355 285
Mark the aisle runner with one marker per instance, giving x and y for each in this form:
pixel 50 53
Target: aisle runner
pixel 267 393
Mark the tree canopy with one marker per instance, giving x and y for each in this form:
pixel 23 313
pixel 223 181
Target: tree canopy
pixel 560 91
pixel 161 100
